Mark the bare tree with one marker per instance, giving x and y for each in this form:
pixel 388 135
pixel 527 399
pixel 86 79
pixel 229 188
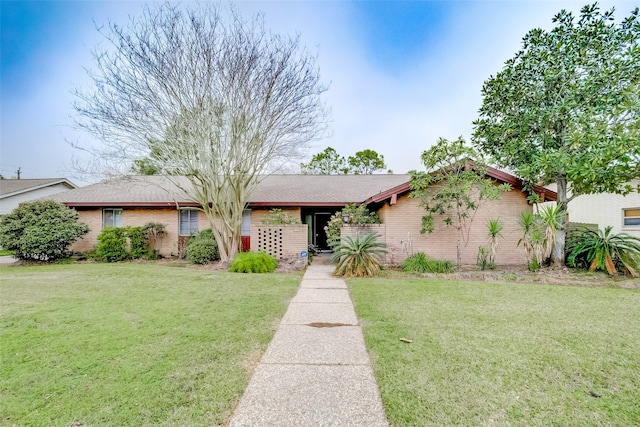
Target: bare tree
pixel 205 95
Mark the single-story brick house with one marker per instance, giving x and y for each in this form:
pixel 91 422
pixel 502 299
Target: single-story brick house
pixel 136 201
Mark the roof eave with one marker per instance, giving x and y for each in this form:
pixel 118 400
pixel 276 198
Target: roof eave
pixel 38 187
pixel 297 204
pixel 129 204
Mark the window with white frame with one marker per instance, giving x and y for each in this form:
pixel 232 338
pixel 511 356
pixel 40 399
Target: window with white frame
pixel 631 217
pixel 246 222
pixel 111 217
pixel 188 222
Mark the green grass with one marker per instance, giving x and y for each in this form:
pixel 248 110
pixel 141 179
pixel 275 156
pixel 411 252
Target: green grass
pixel 131 344
pixel 5 252
pixel 502 354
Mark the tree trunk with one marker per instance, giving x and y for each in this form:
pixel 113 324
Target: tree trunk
pixel 459 249
pixel 558 246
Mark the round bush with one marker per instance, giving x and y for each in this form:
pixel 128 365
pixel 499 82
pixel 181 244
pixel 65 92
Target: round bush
pixel 202 251
pixel 41 230
pixel 202 248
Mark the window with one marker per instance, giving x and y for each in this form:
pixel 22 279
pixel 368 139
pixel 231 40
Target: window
pixel 188 222
pixel 246 222
pixel 631 217
pixel 111 218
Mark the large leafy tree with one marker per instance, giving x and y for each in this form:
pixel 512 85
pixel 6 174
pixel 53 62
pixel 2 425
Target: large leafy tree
pixel 329 162
pixel 199 92
pixel 454 187
pixel 566 108
pixel 366 162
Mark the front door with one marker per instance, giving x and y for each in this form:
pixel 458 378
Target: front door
pixel 320 220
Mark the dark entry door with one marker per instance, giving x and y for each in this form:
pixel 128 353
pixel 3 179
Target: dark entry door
pixel 320 220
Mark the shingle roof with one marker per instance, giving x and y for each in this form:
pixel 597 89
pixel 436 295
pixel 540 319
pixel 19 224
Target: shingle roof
pixel 10 187
pixel 323 189
pixel 273 190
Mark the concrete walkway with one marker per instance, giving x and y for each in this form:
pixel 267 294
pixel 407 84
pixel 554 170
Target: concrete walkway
pixel 316 371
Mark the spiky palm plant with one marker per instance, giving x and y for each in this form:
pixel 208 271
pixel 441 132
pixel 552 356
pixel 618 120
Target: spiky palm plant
pixel 527 223
pixel 550 216
pixel 603 248
pixel 494 228
pixel 358 256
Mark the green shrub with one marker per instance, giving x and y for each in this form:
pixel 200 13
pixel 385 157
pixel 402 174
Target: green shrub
pixel 42 230
pixel 201 251
pixel 112 244
pixel 253 262
pixel 421 263
pixel 280 217
pixel 202 248
pixel 355 215
pixel 358 256
pixel 138 247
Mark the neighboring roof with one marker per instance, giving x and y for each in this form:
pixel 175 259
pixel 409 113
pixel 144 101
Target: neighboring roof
pixel 545 194
pixel 273 190
pixel 12 187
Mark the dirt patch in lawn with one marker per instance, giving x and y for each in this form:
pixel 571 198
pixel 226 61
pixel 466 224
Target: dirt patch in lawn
pixel 549 276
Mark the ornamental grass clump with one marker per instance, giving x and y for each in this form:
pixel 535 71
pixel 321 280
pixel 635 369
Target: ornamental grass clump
pixel 358 256
pixel 421 263
pixel 253 262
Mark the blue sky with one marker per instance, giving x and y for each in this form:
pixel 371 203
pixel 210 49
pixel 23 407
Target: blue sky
pixel 401 73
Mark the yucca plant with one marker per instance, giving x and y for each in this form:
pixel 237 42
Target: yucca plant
pixel 603 249
pixel 527 223
pixel 494 229
pixel 358 256
pixel 550 217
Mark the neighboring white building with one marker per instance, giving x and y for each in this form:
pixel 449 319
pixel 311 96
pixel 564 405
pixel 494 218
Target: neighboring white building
pixel 15 191
pixel 620 212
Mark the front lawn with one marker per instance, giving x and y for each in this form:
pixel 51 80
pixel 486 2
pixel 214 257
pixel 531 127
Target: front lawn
pixel 502 354
pixel 131 344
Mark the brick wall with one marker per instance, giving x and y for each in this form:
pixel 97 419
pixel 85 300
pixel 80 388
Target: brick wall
pixel 280 241
pixel 137 217
pixel 403 223
pixel 93 218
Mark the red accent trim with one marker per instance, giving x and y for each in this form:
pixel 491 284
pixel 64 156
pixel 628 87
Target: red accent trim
pixel 296 204
pixel 381 197
pixel 246 243
pixel 131 204
pixel 393 193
